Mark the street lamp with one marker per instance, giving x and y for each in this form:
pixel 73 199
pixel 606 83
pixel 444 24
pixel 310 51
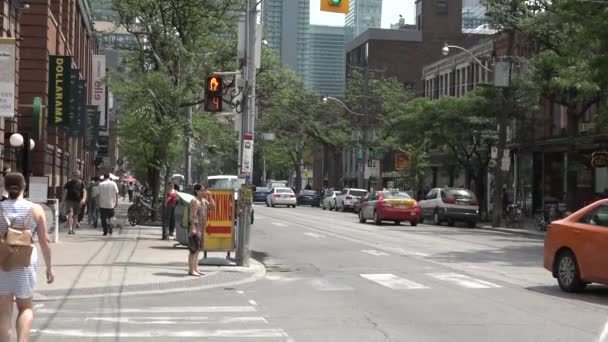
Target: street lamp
pixel 18 140
pixel 446 51
pixel 342 104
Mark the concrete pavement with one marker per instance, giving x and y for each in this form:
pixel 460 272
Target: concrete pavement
pixel 132 261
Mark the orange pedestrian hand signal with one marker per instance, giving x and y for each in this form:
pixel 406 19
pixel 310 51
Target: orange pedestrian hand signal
pixel 214 85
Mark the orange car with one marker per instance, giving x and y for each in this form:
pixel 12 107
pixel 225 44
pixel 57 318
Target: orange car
pixel 576 248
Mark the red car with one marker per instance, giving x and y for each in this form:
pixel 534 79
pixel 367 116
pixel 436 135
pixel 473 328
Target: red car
pixel 390 205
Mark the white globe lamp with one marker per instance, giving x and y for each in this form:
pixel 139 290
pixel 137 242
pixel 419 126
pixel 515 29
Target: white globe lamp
pixel 32 144
pixel 16 140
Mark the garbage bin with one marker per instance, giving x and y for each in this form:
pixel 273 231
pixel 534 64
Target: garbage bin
pixel 181 218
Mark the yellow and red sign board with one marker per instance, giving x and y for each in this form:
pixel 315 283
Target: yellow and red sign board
pixel 219 233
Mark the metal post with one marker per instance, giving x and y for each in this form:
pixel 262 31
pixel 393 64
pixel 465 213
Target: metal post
pixel 188 152
pixel 364 144
pixel 26 161
pixel 56 220
pixel 242 252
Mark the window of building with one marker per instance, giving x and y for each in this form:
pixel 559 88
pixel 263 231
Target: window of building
pixel 441 7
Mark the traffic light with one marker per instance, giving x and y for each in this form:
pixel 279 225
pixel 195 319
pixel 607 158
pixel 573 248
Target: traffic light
pixel 213 94
pixel 336 6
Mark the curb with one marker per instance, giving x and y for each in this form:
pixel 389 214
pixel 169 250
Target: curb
pixel 256 269
pixel 524 232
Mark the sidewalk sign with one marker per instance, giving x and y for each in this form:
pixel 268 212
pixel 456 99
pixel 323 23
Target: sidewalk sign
pixel 38 190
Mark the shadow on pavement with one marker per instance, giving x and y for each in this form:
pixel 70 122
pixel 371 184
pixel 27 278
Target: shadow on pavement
pixel 172 274
pixel 510 255
pixel 595 294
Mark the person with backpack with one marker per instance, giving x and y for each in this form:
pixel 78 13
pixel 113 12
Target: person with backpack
pixel 75 196
pixel 93 206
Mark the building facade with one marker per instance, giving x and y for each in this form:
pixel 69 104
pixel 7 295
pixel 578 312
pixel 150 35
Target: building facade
pixel 286 29
pixel 324 68
pixel 362 15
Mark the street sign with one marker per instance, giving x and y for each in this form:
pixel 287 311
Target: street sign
pixel 505 165
pixel 247 162
pixel 266 136
pixel 372 169
pixel 599 159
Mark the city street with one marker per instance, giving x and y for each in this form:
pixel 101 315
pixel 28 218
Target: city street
pixel 330 278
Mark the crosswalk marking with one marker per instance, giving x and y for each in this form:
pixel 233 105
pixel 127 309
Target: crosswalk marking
pixel 315 235
pixel 166 320
pixel 156 310
pixel 393 282
pixel 373 252
pixel 322 284
pixel 244 333
pixel 279 224
pixel 464 280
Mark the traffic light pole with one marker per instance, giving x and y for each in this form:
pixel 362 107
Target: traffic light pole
pixel 247 129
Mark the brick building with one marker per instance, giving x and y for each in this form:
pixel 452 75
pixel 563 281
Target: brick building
pixel 47 28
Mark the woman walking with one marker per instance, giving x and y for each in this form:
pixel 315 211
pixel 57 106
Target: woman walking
pixel 199 208
pixel 19 282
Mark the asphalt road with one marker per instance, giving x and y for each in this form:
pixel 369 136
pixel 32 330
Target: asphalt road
pixel 330 278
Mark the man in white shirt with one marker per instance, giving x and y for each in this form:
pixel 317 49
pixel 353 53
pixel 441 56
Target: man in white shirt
pixel 107 201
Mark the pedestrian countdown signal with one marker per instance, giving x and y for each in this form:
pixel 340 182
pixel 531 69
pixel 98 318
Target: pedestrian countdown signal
pixel 213 94
pixel 336 6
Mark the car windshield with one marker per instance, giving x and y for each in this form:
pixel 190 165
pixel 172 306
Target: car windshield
pixel 221 183
pixel 460 194
pixel 395 195
pixel 358 193
pixel 308 192
pixel 283 191
pixel 260 189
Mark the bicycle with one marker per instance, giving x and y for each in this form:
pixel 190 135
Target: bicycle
pixel 139 211
pixel 515 216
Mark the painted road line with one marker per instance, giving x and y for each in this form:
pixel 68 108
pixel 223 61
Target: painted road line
pixel 167 320
pixel 315 235
pixel 322 284
pixel 374 252
pixel 279 224
pixel 464 281
pixel 253 302
pixel 155 310
pixel 393 282
pixel 243 333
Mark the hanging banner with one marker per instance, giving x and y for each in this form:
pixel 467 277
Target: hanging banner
pixel 7 77
pixel 99 88
pixel 81 110
pixel 60 70
pixel 92 127
pixel 72 118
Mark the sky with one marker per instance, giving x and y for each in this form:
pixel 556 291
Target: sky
pixel 390 13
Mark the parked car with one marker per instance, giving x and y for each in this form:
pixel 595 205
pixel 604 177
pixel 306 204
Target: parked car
pixel 392 205
pixel 277 184
pixel 309 197
pixel 329 202
pixel 348 198
pixel 260 194
pixel 576 248
pixel 281 196
pixel 450 205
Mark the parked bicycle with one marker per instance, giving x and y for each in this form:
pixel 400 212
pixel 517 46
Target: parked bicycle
pixel 515 216
pixel 550 213
pixel 141 210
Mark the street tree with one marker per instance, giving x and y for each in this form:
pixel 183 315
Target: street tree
pixel 176 43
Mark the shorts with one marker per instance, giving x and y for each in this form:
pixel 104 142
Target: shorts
pixel 73 205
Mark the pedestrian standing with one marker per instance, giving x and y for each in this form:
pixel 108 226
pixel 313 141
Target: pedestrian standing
pixel 75 196
pixel 93 206
pixel 131 189
pixel 18 282
pixel 199 208
pixel 108 199
pixel 170 204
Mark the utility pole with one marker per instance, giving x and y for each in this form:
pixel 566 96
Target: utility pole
pixel 365 133
pixel 247 132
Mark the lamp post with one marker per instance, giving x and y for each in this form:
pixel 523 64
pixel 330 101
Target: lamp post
pixel 18 140
pixel 502 78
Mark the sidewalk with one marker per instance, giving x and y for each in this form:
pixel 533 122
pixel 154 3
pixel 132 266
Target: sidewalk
pixel 135 261
pixel 528 229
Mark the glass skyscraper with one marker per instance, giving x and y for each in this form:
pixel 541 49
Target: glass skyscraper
pixel 324 66
pixel 362 14
pixel 285 28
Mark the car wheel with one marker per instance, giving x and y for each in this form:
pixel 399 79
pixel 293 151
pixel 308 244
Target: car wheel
pixel 272 204
pixel 294 206
pixel 361 217
pixel 377 219
pixel 397 223
pixel 268 205
pixel 414 223
pixel 471 224
pixel 568 273
pixel 323 206
pixel 450 222
pixel 436 219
